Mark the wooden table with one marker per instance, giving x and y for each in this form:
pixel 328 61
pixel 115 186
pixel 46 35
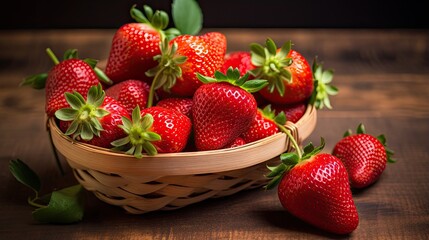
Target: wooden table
pixel 383 77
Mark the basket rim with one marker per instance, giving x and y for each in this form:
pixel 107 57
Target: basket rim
pixel 182 163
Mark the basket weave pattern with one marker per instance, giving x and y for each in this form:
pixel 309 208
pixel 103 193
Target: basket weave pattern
pixel 171 181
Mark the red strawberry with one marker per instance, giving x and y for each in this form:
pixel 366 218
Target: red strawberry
pixel 94 120
pixel 293 111
pixel 70 75
pixel 154 130
pixel 238 59
pixel 185 56
pixel 288 72
pixel 223 108
pixel 134 46
pixel 130 93
pixel 236 143
pixel 183 105
pixel 263 125
pixel 364 156
pixel 315 188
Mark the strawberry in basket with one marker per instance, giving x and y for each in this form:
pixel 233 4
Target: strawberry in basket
pixel 71 74
pixel 223 108
pixel 183 57
pixel 130 93
pixel 93 119
pixel 288 72
pixel 264 125
pixel 154 130
pixel 135 45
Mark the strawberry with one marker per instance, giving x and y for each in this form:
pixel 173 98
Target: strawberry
pixel 288 72
pixel 264 125
pixel 238 59
pixel 134 45
pixel 154 130
pixel 130 93
pixel 183 57
pixel 314 187
pixel 71 74
pixel 293 111
pixel 223 108
pixel 364 156
pixel 93 120
pixel 183 105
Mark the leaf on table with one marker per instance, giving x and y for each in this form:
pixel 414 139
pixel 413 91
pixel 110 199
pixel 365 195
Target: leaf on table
pixel 24 174
pixel 65 206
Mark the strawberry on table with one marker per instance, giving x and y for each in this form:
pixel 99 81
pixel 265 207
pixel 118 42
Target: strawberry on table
pixel 288 72
pixel 93 120
pixel 130 93
pixel 364 156
pixel 314 187
pixel 223 108
pixel 134 45
pixel 154 130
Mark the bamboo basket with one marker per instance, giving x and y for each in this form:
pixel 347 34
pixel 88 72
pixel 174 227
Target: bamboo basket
pixel 174 180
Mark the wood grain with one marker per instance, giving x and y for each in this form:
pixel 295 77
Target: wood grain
pixel 383 77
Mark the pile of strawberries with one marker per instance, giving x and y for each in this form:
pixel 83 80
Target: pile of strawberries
pixel 164 91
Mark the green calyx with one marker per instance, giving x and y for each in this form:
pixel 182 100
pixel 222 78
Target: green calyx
pixel 279 119
pixel 139 137
pixel 290 160
pixel 168 70
pixel 271 64
pixel 159 20
pixel 322 88
pixel 382 138
pixel 233 77
pixel 84 114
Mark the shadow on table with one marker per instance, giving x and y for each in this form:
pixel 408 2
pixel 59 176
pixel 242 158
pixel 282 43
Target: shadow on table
pixel 285 220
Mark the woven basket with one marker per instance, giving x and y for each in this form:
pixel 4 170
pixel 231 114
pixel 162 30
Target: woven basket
pixel 174 180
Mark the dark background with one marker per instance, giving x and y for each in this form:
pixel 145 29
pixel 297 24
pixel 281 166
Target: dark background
pixel 45 14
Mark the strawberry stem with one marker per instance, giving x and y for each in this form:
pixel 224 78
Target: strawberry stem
pixel 51 54
pixel 292 139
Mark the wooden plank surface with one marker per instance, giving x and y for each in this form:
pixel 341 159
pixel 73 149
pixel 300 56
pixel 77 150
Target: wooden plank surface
pixel 383 77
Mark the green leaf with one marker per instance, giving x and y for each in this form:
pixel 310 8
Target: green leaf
pixel 289 159
pixel 271 46
pixel 37 81
pixel 274 182
pixel 281 118
pixel 360 129
pixel 254 85
pixel 138 16
pixel 65 206
pixel 70 54
pixel 25 175
pixel 66 114
pixel 91 62
pixel 74 100
pixel 187 16
pixel 276 170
